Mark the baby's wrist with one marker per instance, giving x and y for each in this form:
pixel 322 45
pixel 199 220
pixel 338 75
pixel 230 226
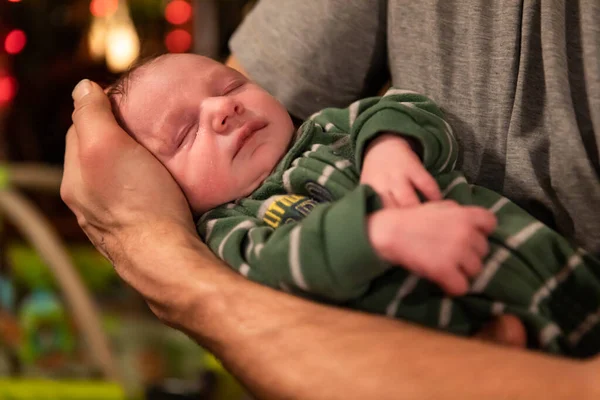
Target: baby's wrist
pixel 386 139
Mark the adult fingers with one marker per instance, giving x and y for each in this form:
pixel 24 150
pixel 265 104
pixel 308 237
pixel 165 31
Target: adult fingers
pixel 71 171
pixel 93 119
pixel 72 182
pixel 70 187
pixel 505 330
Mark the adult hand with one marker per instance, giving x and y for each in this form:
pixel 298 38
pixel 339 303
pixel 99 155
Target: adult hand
pixel 115 187
pixel 393 169
pixel 440 241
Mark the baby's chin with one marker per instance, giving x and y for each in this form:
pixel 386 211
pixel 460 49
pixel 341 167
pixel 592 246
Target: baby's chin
pixel 254 184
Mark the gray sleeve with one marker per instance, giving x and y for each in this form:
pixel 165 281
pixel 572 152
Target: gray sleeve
pixel 313 54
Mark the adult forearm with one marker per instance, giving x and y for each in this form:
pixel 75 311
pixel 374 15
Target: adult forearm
pixel 287 348
pixel 281 346
pixel 172 269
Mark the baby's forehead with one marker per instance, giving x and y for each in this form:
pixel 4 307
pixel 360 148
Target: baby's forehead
pixel 182 64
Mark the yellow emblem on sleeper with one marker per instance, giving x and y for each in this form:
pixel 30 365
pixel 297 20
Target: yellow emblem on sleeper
pixel 288 208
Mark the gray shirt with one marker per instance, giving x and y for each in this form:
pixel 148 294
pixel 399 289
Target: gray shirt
pixel 519 82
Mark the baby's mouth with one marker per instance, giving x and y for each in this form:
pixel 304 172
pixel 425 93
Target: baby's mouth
pixel 246 132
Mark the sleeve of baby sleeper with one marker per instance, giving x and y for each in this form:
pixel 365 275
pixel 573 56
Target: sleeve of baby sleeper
pixel 327 254
pixel 402 112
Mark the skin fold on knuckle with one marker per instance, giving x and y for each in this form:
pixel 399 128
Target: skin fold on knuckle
pixel 65 193
pixel 95 154
pixel 83 223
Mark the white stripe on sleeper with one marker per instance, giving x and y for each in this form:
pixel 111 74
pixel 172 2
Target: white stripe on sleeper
pixel 295 265
pixel 241 226
pixel 457 181
pixel 445 312
pixel 551 284
pixel 244 269
pixel 590 321
pixel 353 112
pixel 499 256
pixel 409 284
pixel 327 171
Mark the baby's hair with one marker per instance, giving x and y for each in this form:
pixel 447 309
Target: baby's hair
pixel 117 91
pixel 120 86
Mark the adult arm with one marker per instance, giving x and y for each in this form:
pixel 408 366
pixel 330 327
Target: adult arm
pixel 279 346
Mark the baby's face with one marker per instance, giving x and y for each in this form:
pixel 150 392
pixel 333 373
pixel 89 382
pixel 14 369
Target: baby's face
pixel 219 134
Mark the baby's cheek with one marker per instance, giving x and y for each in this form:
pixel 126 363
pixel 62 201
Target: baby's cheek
pixel 208 191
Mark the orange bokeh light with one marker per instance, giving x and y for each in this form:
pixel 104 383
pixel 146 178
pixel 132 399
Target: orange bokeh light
pixel 178 41
pixel 103 8
pixel 178 12
pixel 8 88
pixel 15 41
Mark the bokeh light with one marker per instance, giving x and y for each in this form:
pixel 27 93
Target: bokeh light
pixel 178 12
pixel 122 47
pixel 8 88
pixel 178 41
pixel 15 41
pixel 103 8
pixel 97 38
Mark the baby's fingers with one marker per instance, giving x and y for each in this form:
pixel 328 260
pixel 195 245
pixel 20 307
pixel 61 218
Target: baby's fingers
pixel 480 245
pixel 398 194
pixel 425 183
pixel 406 196
pixel 389 200
pixel 453 282
pixel 482 219
pixel 471 264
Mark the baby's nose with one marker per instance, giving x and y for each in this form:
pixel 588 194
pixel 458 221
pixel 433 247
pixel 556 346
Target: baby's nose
pixel 225 114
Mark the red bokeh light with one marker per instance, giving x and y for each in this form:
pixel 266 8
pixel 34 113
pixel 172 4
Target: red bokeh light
pixel 178 41
pixel 103 8
pixel 15 41
pixel 8 88
pixel 14 1
pixel 178 12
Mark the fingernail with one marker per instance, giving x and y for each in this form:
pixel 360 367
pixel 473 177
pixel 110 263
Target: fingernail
pixel 83 88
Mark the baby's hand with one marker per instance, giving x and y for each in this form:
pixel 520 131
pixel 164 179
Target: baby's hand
pixel 440 241
pixel 393 169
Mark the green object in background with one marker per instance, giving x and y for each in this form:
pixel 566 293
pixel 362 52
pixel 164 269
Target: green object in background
pixel 4 177
pixel 29 270
pixel 17 389
pixel 7 294
pixel 227 386
pixel 44 321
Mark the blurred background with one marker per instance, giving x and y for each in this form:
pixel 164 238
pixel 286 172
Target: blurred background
pixel 69 328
